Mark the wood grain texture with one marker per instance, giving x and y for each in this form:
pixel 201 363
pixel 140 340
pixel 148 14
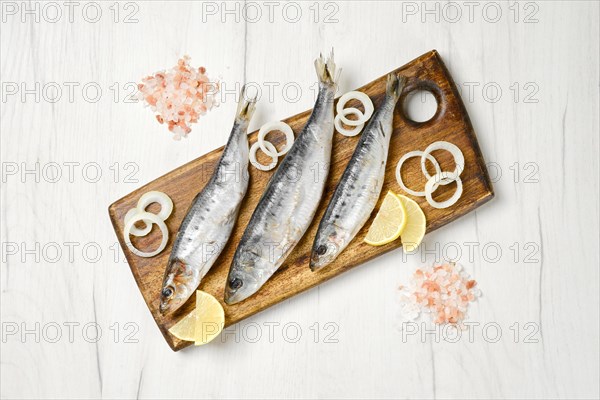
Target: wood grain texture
pixel 450 123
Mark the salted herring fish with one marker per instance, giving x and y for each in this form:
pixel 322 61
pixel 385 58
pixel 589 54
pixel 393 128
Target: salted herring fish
pixel 290 201
pixel 359 188
pixel 210 219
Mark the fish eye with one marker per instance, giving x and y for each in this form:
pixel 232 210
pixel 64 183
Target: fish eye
pixel 236 283
pixel 168 291
pixel 322 249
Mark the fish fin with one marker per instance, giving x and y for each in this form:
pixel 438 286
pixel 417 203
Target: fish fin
pixel 326 69
pixel 246 106
pixel 381 129
pixel 395 84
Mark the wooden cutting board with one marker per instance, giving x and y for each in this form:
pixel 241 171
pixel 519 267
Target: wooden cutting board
pixel 450 123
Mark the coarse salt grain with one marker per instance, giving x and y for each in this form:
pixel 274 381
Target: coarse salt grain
pixel 179 96
pixel 442 291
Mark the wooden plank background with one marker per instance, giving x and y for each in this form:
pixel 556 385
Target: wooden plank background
pixel 540 136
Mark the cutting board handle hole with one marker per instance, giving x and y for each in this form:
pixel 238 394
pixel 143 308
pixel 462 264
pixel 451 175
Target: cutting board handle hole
pixel 421 103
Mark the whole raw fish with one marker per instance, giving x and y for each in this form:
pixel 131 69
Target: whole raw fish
pixel 290 200
pixel 208 224
pixel 358 190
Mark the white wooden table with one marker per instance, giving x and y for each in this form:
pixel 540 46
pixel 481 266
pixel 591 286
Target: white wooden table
pixel 529 78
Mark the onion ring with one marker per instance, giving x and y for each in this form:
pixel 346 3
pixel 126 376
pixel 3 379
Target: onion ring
pixel 405 157
pixel 255 162
pixel 275 126
pixel 135 231
pixel 166 208
pixel 366 102
pixel 143 215
pixel 435 181
pixel 338 125
pixel 459 160
pixel 166 204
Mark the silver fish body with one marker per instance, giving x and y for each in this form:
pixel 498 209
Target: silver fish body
pixel 359 188
pixel 289 203
pixel 209 222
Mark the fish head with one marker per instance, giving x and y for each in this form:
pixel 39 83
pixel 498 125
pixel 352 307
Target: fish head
pixel 246 275
pixel 328 244
pixel 178 286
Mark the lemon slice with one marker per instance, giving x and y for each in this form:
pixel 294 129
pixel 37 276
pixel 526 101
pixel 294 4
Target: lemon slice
pixel 389 221
pixel 210 318
pixel 413 232
pixel 185 328
pixel 204 323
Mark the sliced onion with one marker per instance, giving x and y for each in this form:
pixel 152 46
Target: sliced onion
pixel 273 156
pixel 134 230
pixel 166 204
pixel 338 124
pixel 435 181
pixel 275 126
pixel 153 218
pixel 166 208
pixel 459 160
pixel 366 102
pixel 405 157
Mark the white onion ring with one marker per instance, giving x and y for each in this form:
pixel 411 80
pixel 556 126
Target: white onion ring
pixel 275 126
pixel 435 181
pixel 134 230
pixel 459 160
pixel 405 157
pixel 338 125
pixel 166 208
pixel 366 102
pixel 273 156
pixel 146 216
pixel 166 204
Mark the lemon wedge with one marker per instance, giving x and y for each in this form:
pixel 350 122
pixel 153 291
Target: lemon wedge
pixel 415 228
pixel 210 318
pixel 389 221
pixel 204 323
pixel 185 328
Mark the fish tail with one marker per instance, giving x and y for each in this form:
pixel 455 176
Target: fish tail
pixel 326 69
pixel 395 84
pixel 246 106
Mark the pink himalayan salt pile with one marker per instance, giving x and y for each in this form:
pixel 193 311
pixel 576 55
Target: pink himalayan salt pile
pixel 179 96
pixel 444 291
